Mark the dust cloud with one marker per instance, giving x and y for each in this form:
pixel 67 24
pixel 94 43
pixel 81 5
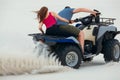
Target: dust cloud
pixel 39 61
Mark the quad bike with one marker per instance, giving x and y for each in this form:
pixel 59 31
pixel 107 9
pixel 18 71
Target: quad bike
pixel 99 39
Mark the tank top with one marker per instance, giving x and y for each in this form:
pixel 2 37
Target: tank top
pixel 49 21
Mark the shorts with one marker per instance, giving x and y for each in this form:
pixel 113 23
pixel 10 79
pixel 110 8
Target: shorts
pixel 63 30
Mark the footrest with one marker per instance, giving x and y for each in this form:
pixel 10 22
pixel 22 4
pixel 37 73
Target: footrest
pixel 88 55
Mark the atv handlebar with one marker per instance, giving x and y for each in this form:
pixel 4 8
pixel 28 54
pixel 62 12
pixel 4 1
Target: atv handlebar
pixel 89 19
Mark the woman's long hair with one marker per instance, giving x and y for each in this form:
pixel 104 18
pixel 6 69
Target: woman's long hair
pixel 41 14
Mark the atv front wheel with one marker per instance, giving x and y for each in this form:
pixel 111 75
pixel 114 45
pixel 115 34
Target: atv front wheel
pixel 111 50
pixel 70 55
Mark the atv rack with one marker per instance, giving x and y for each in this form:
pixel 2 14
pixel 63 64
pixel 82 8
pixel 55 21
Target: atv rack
pixel 107 21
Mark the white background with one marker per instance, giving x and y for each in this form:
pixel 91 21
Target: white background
pixel 17 20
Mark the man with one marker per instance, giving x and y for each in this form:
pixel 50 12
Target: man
pixel 67 13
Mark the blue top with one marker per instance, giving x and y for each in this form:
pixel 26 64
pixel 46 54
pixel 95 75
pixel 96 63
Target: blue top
pixel 65 13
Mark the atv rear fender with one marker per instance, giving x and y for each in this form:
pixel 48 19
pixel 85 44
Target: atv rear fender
pixel 53 39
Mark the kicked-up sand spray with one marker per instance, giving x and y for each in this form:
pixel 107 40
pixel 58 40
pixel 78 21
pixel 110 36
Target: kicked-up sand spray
pixel 41 63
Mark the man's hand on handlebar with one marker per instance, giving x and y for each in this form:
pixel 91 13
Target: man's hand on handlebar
pixel 71 21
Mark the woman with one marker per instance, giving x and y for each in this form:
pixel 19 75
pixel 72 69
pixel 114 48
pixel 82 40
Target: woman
pixel 49 19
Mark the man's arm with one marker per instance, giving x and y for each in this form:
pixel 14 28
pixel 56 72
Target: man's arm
pixel 84 10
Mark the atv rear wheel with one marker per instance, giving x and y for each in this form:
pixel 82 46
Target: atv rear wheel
pixel 111 50
pixel 70 55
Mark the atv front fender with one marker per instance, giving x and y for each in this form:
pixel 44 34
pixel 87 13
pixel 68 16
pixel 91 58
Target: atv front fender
pixel 118 32
pixel 104 29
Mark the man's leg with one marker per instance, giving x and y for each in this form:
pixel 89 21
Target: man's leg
pixel 73 31
pixel 81 40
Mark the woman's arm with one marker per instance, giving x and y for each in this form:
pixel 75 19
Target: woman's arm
pixel 40 27
pixel 59 17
